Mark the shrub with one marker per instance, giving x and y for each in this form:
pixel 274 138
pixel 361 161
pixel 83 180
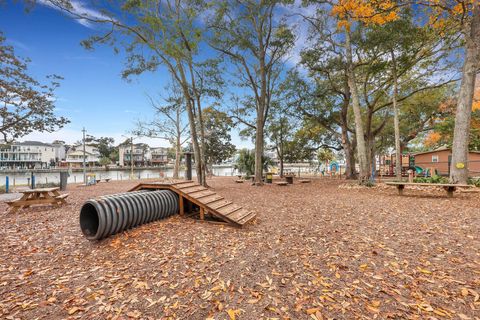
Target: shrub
pixel 433 179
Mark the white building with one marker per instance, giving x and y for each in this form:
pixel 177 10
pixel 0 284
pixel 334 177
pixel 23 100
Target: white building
pixel 75 155
pixel 30 155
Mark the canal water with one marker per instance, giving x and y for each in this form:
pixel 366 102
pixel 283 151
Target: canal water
pixel 23 178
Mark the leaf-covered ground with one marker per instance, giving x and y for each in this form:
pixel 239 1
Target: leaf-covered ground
pixel 316 251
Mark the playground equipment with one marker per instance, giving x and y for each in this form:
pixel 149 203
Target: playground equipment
pixel 195 199
pixel 147 202
pixel 108 215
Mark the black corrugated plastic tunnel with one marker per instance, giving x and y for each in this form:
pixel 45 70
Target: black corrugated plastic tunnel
pixel 108 215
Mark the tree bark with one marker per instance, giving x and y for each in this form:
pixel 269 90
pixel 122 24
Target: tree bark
pixel 176 166
pixel 461 134
pixel 191 121
pixel 259 149
pixel 359 131
pixel 396 121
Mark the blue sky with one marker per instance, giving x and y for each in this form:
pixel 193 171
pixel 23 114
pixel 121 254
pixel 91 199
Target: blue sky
pixel 92 95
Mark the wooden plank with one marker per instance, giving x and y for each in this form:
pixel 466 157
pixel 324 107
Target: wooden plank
pixel 235 216
pixel 34 201
pixel 186 185
pixel 219 204
pixel 202 194
pixel 229 209
pixel 429 184
pixel 40 190
pixel 247 217
pixel 211 199
pixel 193 189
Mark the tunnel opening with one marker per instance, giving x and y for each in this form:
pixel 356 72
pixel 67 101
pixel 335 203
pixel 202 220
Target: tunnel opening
pixel 89 221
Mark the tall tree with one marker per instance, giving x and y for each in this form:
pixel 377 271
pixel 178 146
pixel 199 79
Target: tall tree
pixel 167 123
pixel 26 105
pixel 464 17
pixel 160 33
pixel 255 40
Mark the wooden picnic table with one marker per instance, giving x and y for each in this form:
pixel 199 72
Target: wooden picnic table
pixel 449 187
pixel 49 196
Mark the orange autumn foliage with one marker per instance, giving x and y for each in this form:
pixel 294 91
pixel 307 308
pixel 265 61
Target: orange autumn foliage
pixel 367 11
pixel 443 12
pixel 432 138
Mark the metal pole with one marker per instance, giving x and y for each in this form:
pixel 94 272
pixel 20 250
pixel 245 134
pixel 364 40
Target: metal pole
pixel 131 158
pixel 84 165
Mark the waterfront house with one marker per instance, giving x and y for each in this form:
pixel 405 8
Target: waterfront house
pixel 30 155
pixel 159 156
pixel 141 154
pixel 75 155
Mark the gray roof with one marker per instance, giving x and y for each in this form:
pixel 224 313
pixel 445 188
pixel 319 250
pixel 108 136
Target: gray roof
pixel 33 143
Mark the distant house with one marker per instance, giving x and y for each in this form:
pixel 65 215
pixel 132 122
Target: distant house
pixel 30 155
pixel 159 156
pixel 75 155
pixel 441 158
pixel 141 154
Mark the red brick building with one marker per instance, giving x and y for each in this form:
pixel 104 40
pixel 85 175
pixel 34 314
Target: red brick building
pixel 440 159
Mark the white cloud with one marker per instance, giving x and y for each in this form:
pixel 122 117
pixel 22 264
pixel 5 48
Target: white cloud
pixel 77 7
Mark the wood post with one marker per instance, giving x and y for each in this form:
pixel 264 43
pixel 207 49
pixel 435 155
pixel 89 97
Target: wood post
pixel 202 213
pixel 180 206
pixel 400 188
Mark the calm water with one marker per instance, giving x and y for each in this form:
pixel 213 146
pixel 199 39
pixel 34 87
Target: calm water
pixel 23 178
pixel 18 179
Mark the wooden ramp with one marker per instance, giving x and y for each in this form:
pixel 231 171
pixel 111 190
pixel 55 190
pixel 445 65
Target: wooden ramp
pixel 207 201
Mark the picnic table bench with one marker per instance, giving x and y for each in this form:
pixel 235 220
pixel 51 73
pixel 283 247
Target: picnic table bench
pixel 449 187
pixel 49 196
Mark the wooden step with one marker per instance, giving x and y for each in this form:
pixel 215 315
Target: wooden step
pixel 237 214
pixel 229 209
pixel 219 204
pixel 212 199
pixel 249 216
pixel 187 185
pixel 193 189
pixel 202 194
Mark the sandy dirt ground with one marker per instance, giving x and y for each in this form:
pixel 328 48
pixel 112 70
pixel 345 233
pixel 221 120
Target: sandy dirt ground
pixel 316 251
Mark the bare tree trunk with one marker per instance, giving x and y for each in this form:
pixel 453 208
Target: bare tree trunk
pixel 200 123
pixel 191 120
pixel 359 132
pixel 259 149
pixel 350 172
pixel 459 166
pixel 178 154
pixel 396 121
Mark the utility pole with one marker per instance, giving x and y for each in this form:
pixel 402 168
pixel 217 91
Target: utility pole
pixel 84 164
pixel 131 158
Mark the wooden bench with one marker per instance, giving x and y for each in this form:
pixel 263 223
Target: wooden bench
pixel 62 198
pixel 281 183
pixel 304 181
pixel 239 181
pixel 449 187
pixel 30 197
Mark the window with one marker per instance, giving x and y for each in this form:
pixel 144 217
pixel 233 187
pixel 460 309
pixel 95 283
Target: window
pixel 435 158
